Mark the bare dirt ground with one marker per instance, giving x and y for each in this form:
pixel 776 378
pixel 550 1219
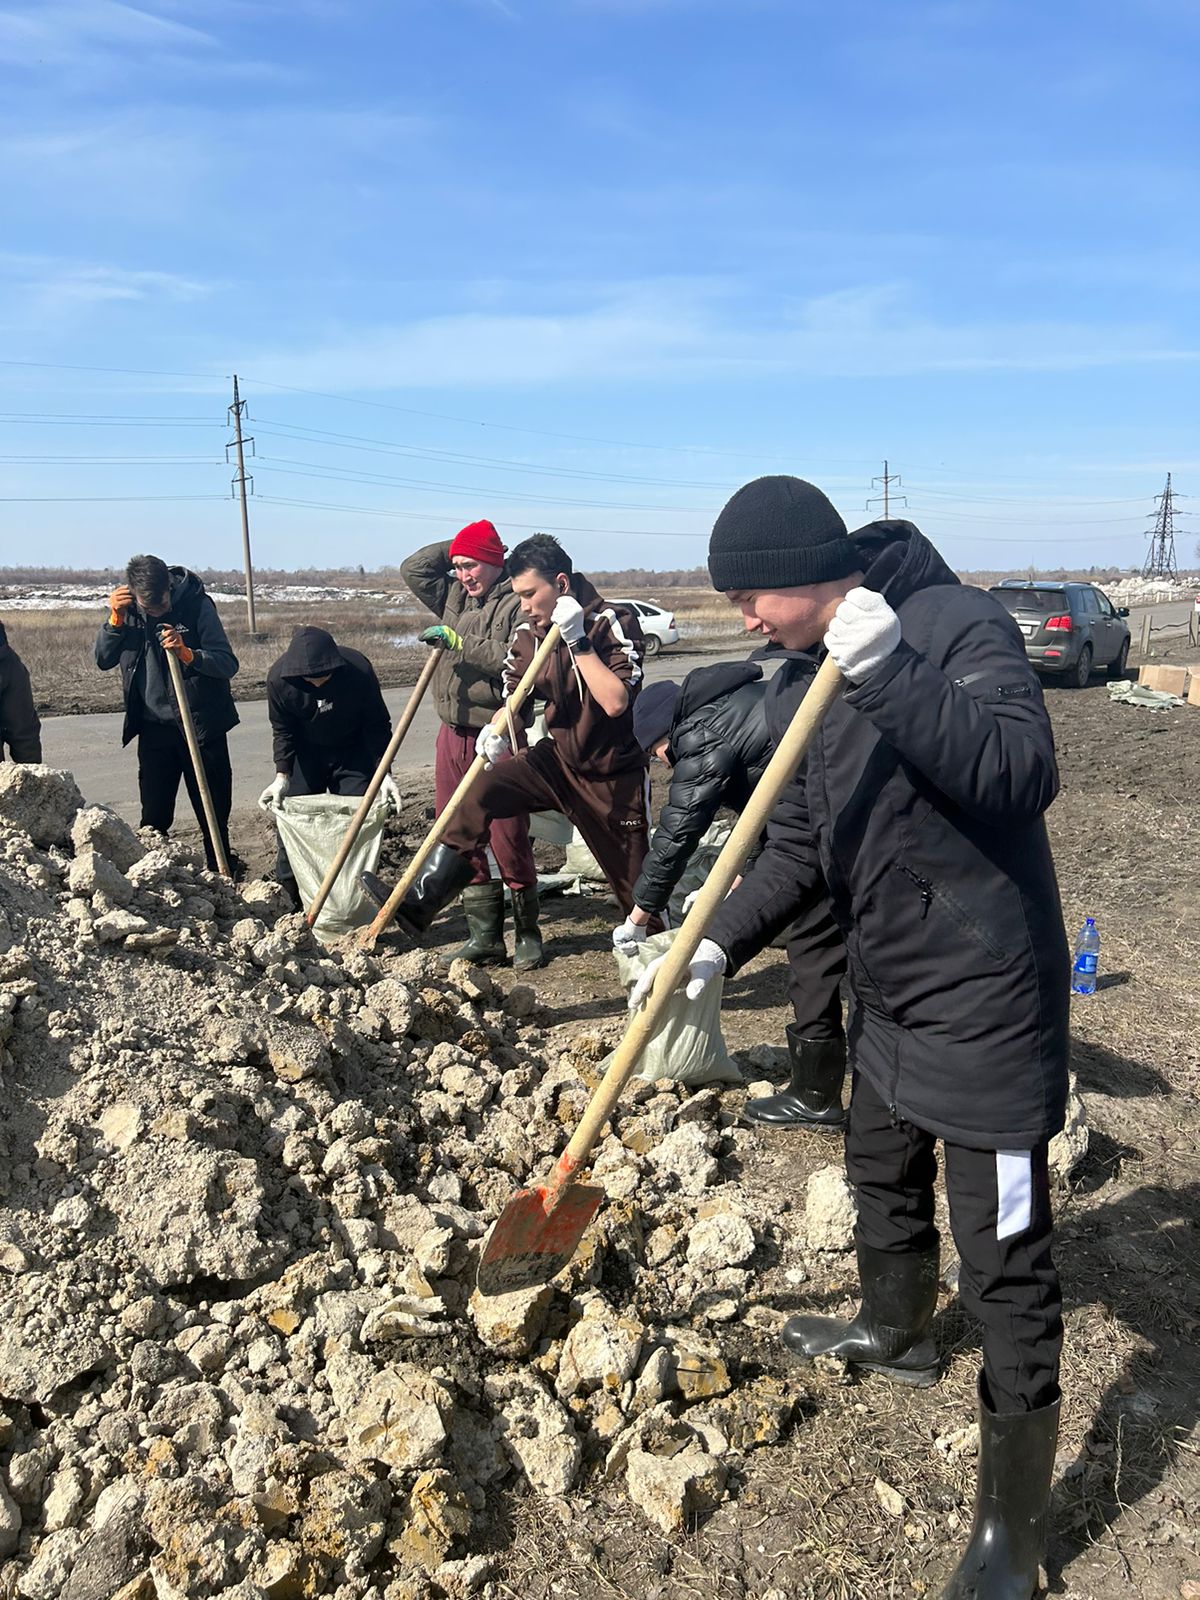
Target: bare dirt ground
pixel 806 1518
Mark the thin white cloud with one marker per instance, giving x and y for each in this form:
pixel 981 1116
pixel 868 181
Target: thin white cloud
pixel 62 32
pixel 674 332
pixel 41 293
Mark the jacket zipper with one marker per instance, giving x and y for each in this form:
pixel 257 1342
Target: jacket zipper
pixel 924 885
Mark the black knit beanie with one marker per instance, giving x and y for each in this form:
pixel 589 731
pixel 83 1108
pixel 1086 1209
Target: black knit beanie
pixel 779 533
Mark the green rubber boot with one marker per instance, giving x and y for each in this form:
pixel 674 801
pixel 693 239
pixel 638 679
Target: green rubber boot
pixel 483 907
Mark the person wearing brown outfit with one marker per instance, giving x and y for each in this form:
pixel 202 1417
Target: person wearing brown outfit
pixel 591 767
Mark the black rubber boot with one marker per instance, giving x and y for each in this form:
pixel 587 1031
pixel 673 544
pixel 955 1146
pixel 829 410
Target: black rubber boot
pixel 528 952
pixel 889 1333
pixel 442 879
pixel 813 1097
pixel 1008 1535
pixel 483 907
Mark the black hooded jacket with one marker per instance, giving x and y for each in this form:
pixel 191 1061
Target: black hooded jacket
pixel 344 722
pixel 719 746
pixel 145 677
pixel 920 805
pixel 20 725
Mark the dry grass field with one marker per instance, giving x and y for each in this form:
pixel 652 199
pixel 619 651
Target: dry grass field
pixel 56 644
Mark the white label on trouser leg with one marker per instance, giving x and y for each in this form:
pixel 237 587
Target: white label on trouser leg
pixel 1014 1192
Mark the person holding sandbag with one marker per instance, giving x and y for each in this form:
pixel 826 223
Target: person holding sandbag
pixel 465 583
pixel 329 728
pixel 920 804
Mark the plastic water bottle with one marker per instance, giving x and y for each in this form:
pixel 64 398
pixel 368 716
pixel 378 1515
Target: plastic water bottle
pixel 1087 957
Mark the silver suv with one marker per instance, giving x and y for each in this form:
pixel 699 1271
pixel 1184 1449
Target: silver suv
pixel 1068 628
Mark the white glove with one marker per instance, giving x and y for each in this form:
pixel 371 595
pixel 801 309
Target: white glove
pixel 491 745
pixel 689 901
pixel 629 935
pixel 568 614
pixel 389 793
pixel 862 635
pixel 708 963
pixel 272 796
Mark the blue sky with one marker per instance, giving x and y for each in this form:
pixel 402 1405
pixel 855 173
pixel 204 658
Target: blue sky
pixel 589 265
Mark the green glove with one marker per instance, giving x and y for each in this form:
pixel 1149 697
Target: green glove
pixel 443 637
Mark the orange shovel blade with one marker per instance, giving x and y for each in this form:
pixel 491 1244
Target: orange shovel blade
pixel 529 1245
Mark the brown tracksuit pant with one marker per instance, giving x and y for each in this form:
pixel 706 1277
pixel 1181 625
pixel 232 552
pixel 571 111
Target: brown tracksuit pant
pixel 611 813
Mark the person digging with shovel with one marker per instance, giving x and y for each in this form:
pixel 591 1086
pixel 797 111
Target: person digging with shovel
pixel 591 768
pixel 712 733
pixel 160 608
pixel 920 804
pixel 465 583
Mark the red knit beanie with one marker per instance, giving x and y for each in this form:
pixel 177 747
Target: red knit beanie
pixel 479 541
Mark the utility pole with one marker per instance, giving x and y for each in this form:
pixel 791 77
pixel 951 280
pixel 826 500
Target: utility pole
pixel 887 480
pixel 239 483
pixel 1160 558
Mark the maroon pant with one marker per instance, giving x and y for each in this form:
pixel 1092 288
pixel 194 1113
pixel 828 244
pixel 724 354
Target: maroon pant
pixel 612 814
pixel 508 835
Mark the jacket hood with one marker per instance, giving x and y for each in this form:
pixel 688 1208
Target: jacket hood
pixel 185 586
pixel 311 654
pixel 706 684
pixel 586 592
pixel 3 637
pixel 898 560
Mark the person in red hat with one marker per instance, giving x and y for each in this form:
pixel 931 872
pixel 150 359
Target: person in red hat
pixel 465 583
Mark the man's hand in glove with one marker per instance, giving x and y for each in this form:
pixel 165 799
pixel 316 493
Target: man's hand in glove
pixel 491 745
pixel 442 637
pixel 171 639
pixel 708 963
pixel 273 795
pixel 389 793
pixel 862 635
pixel 568 614
pixel 628 936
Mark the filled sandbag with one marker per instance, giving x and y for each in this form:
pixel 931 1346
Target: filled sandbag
pixel 688 1044
pixel 312 827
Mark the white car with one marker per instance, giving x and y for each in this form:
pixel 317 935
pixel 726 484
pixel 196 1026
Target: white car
pixel 658 625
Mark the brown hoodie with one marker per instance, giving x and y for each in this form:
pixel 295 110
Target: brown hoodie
pixel 591 743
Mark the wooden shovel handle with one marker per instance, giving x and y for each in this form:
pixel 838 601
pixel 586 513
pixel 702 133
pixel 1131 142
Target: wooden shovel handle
pixel 826 687
pixel 510 708
pixel 373 788
pixel 193 744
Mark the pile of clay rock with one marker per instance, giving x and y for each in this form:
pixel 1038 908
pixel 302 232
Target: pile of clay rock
pixel 244 1181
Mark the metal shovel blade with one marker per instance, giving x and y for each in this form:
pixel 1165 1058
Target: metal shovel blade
pixel 528 1245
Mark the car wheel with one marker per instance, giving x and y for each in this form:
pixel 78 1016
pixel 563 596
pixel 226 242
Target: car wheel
pixel 1116 669
pixel 1083 668
pixel 653 644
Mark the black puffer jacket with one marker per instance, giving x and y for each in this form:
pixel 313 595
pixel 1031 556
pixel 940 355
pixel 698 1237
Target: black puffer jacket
pixel 719 746
pixel 344 720
pixel 134 647
pixel 20 725
pixel 920 806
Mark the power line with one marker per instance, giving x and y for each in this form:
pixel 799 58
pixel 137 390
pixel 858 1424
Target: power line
pixel 96 499
pixel 111 461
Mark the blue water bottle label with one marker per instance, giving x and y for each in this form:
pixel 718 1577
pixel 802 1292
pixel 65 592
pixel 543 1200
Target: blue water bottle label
pixel 1085 962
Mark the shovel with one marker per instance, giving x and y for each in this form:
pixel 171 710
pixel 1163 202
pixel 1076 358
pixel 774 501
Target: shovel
pixel 373 788
pixel 193 744
pixel 539 1229
pixel 503 722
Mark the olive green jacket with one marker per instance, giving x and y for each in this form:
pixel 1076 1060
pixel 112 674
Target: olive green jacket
pixel 467 689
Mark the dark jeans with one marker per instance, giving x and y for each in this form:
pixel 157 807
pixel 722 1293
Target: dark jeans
pixel 163 759
pixel 337 772
pixel 1001 1222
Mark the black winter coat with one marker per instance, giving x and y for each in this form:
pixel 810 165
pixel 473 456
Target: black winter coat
pixel 20 725
pixel 920 805
pixel 134 647
pixel 344 722
pixel 719 745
